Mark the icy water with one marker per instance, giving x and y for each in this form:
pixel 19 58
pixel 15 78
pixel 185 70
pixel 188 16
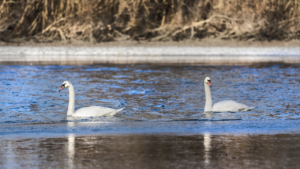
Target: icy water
pixel 162 125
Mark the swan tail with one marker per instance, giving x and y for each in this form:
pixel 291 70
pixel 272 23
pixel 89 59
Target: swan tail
pixel 115 112
pixel 250 108
pixel 247 109
pixel 120 109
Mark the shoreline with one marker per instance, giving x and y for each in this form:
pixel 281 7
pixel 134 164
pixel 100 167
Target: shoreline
pixel 160 55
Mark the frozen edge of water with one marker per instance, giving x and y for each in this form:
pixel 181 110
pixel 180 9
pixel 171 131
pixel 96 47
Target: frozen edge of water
pixel 150 51
pixel 149 55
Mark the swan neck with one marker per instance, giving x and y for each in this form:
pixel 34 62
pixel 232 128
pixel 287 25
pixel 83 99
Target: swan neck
pixel 71 107
pixel 208 102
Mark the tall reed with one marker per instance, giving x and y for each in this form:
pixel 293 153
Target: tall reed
pixel 109 20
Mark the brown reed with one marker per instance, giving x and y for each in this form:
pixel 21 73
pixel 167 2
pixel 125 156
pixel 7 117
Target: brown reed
pixel 155 20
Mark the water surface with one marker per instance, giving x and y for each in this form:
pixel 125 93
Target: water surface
pixel 152 151
pixel 163 123
pixel 30 93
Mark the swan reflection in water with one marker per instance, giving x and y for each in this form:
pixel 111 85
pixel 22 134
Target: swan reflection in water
pixel 71 125
pixel 71 150
pixel 71 143
pixel 208 115
pixel 207 146
pixel 10 157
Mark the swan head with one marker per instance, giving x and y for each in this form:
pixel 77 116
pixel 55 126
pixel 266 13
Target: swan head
pixel 65 84
pixel 207 81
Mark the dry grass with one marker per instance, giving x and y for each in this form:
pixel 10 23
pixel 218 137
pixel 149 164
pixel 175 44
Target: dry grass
pixel 155 20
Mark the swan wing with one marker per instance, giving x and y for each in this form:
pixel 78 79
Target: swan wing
pixel 96 111
pixel 229 106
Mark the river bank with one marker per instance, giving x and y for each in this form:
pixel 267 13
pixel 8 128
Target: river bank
pixel 206 42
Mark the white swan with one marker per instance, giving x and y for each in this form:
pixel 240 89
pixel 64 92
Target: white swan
pixel 85 111
pixel 222 106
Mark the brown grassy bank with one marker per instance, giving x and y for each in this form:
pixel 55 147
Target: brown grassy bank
pixel 153 20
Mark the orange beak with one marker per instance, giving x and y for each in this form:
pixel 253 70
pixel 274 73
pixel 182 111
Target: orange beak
pixel 62 87
pixel 209 83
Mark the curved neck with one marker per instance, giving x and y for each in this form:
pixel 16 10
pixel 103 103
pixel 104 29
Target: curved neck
pixel 208 102
pixel 71 107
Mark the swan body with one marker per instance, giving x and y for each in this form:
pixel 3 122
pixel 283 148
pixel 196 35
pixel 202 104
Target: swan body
pixel 222 106
pixel 96 111
pixel 230 106
pixel 86 111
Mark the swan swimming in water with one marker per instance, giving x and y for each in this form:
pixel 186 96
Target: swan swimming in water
pixel 85 111
pixel 222 106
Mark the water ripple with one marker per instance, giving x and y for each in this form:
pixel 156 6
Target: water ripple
pixel 152 93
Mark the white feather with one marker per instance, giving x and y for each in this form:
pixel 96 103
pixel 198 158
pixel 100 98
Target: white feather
pixel 222 106
pixel 86 111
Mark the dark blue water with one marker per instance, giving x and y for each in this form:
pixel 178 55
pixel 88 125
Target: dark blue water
pixel 152 151
pixel 150 94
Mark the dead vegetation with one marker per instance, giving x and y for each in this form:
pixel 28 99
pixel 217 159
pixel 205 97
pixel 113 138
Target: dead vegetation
pixel 153 20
